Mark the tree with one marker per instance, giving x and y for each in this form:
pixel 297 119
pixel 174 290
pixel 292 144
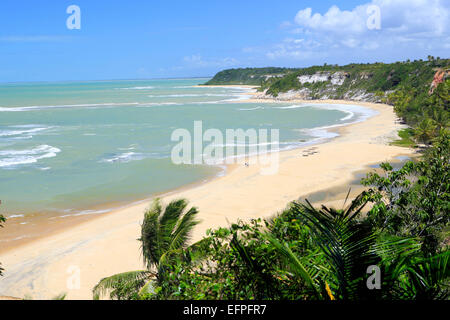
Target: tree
pixel 350 246
pixel 414 201
pixel 441 120
pixel 400 99
pixel 308 254
pixel 164 232
pixel 424 132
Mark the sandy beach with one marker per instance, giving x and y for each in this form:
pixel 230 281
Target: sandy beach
pixel 107 244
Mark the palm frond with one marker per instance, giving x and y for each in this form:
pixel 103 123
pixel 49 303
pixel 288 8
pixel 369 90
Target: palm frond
pixel 346 243
pixel 390 248
pixel 61 296
pixel 181 235
pixel 263 282
pixel 147 288
pixel 430 277
pixel 171 216
pixel 165 231
pixel 152 243
pixel 295 264
pixel 133 279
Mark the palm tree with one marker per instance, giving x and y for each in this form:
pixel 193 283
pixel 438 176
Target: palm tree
pixel 347 245
pixel 164 231
pixel 409 276
pixel 425 130
pixel 440 118
pixel 350 246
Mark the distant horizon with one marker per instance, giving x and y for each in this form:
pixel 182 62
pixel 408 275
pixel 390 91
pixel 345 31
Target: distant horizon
pixel 100 80
pixel 96 40
pixel 210 76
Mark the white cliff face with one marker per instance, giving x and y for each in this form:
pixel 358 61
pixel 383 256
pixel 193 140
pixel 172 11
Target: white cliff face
pixel 332 82
pixel 336 78
pixel 268 76
pixel 317 77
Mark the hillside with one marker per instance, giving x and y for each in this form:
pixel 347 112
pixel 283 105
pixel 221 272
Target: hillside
pixel 368 82
pixel 418 90
pixel 248 76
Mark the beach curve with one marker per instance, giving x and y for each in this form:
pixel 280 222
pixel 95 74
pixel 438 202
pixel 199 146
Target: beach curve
pixel 107 244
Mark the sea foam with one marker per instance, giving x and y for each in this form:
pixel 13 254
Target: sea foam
pixel 11 158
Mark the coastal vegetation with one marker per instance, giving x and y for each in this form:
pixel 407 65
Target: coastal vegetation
pixel 418 90
pixel 389 243
pixel 164 233
pixel 406 138
pixel 427 113
pixel 248 76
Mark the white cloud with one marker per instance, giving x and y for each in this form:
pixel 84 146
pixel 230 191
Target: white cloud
pixel 350 42
pixel 411 16
pixel 333 20
pixel 199 62
pixel 298 49
pixel 404 25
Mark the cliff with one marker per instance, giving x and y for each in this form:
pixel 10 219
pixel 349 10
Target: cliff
pixel 359 82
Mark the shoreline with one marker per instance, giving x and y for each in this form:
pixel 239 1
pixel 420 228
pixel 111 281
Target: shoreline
pixel 78 218
pixel 39 268
pixel 47 223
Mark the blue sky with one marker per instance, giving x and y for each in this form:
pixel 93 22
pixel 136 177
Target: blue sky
pixel 154 39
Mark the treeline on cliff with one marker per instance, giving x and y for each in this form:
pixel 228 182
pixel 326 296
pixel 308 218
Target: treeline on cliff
pixel 418 90
pixel 247 76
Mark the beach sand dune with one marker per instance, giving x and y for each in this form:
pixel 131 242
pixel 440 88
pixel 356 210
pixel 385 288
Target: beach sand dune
pixel 107 244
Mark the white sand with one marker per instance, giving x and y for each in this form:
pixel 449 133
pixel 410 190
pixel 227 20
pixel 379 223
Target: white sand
pixel 107 244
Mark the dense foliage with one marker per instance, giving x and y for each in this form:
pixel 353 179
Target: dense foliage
pixel 427 113
pixel 374 78
pixel 247 76
pixel 164 233
pixel 405 85
pixel 396 249
pixel 390 243
pixel 414 201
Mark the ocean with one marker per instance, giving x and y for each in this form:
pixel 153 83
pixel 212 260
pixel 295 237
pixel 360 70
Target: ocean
pixel 68 147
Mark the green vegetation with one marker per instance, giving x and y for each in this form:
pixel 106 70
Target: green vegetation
pixel 61 296
pixel 395 250
pixel 406 138
pixel 164 233
pixel 376 79
pixel 247 76
pixel 427 113
pixel 414 201
pixel 418 90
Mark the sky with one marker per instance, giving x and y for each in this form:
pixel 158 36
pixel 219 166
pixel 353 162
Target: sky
pixel 141 39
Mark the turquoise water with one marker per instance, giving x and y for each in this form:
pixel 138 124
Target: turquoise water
pixel 68 146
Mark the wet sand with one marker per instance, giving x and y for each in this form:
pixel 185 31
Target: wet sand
pixel 107 244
